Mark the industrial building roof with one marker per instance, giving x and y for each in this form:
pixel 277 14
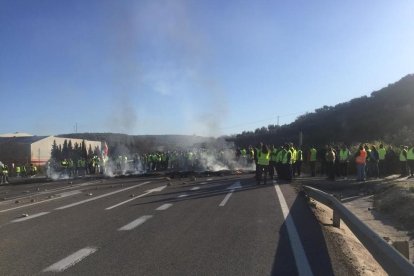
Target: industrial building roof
pixel 23 140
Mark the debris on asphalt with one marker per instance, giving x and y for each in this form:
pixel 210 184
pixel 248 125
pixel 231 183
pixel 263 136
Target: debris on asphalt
pixel 24 215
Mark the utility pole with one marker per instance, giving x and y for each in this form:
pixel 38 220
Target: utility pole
pixel 277 120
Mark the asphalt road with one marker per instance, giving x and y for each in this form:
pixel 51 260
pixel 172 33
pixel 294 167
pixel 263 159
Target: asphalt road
pixel 143 226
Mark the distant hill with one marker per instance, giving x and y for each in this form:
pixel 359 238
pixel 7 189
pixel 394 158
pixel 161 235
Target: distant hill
pixel 122 143
pixel 387 115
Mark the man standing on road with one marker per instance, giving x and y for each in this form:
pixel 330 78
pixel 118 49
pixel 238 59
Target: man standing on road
pixel 403 160
pixel 272 162
pixel 287 163
pixel 381 162
pixel 344 154
pixel 312 160
pixel 410 160
pixel 263 156
pixel 4 170
pixel 330 163
pixel 299 160
pixel 360 160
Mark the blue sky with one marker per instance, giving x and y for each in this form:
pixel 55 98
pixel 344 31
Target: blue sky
pixel 192 67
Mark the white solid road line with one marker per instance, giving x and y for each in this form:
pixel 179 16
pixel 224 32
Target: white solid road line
pixel 71 260
pixel 134 223
pixel 226 199
pixel 164 207
pixel 301 260
pixel 30 217
pixel 195 188
pixel 70 193
pixel 159 189
pixel 62 195
pixel 101 196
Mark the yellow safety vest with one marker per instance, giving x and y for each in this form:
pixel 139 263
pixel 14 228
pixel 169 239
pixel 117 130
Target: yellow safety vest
pixel 381 153
pixel 312 157
pixel 410 154
pixel 263 158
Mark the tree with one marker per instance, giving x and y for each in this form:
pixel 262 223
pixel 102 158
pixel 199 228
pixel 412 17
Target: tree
pixel 84 153
pixel 65 149
pixel 90 151
pixel 55 153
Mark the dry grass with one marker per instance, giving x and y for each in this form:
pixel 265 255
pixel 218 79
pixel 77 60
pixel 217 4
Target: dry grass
pixel 398 202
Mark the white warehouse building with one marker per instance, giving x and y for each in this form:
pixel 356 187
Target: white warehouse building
pixel 22 148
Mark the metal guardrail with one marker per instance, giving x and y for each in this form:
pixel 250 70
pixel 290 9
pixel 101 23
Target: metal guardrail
pixel 392 261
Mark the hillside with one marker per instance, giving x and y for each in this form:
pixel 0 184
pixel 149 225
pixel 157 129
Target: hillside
pixel 386 115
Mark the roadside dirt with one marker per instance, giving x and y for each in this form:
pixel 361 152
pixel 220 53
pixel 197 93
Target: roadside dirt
pixel 349 256
pixel 385 205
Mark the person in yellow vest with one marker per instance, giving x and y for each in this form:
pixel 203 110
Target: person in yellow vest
pixel 403 161
pixel 4 173
pixel 243 154
pixel 18 171
pixel 263 158
pixel 381 162
pixel 279 165
pixel 272 162
pixel 410 160
pixel 293 151
pixel 33 169
pixel 287 163
pixel 251 154
pixel 64 164
pixel 299 160
pixel 312 160
pixel 23 171
pixel 368 169
pixel 344 155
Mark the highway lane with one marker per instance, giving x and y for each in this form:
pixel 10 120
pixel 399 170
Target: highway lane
pixel 183 229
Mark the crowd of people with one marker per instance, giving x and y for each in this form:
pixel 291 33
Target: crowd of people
pixel 270 162
pixel 370 161
pixel 17 171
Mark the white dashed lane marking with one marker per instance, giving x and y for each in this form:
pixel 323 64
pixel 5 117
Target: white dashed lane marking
pixel 195 188
pixel 71 260
pixel 164 207
pixel 101 196
pixel 142 195
pixel 134 223
pixel 226 199
pixel 181 196
pixel 30 217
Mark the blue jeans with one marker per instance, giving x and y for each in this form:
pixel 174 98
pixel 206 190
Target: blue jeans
pixel 360 172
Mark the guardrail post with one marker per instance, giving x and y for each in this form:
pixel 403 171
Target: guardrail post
pixel 336 219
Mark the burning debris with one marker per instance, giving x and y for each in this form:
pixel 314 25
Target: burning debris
pixel 217 157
